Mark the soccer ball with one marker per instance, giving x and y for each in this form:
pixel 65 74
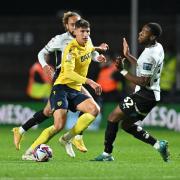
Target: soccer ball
pixel 43 153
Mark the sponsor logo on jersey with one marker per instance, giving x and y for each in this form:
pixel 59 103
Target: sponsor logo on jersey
pixel 85 57
pixel 147 66
pixel 69 57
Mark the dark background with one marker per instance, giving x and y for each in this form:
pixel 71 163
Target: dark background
pixel 113 7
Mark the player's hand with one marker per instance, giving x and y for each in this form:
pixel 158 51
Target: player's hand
pixel 103 47
pixel 97 87
pixel 101 58
pixel 49 71
pixel 119 63
pixel 126 50
pixel 85 91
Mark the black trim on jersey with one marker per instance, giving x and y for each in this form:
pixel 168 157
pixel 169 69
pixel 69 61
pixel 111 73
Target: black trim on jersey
pixel 58 58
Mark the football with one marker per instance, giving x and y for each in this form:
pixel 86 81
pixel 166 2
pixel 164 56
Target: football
pixel 43 153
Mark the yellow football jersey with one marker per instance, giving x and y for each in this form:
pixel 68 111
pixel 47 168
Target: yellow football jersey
pixel 74 64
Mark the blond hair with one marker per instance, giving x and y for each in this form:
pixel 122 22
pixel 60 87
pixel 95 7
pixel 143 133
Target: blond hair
pixel 66 17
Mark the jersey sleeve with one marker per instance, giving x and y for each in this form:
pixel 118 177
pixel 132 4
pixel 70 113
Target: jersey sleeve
pixel 95 54
pixel 147 65
pixel 69 65
pixel 54 43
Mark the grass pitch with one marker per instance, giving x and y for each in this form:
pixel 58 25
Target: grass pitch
pixel 134 160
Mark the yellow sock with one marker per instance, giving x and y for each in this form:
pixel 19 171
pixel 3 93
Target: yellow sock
pixel 82 123
pixel 44 137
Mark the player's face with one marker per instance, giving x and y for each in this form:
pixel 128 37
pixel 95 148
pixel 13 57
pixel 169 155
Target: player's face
pixel 82 35
pixel 70 26
pixel 144 35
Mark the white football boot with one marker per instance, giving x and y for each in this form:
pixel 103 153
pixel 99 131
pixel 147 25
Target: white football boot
pixel 68 147
pixel 28 155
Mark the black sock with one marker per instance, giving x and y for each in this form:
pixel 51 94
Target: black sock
pixel 141 134
pixel 110 135
pixel 37 118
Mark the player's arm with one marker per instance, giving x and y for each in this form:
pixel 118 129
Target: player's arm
pixel 69 65
pixel 94 55
pixel 85 91
pixel 127 53
pixel 43 55
pixel 71 74
pixel 141 81
pixel 102 47
pixel 99 57
pixel 50 47
pixel 97 87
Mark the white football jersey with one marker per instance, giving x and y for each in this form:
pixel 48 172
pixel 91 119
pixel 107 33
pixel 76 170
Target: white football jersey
pixel 59 42
pixel 150 64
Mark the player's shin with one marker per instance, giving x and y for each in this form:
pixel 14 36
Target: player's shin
pixel 110 136
pixel 82 123
pixel 44 137
pixel 139 133
pixel 37 118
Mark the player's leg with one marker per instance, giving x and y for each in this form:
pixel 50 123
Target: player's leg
pixel 78 142
pixel 139 109
pixel 59 104
pixel 90 110
pixel 110 134
pixel 135 108
pixel 59 123
pixel 37 118
pixel 139 133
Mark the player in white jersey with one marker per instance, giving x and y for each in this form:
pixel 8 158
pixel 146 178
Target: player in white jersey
pixel 136 106
pixel 56 45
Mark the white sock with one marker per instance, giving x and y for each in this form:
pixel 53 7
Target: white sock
pixel 78 137
pixel 21 130
pixel 106 154
pixel 29 151
pixel 156 145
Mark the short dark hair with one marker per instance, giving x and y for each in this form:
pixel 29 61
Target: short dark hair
pixel 155 28
pixel 82 23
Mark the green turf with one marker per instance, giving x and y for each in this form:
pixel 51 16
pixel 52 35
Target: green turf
pixel 133 159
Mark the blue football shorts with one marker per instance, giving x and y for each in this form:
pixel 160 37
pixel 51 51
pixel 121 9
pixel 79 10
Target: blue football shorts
pixel 64 97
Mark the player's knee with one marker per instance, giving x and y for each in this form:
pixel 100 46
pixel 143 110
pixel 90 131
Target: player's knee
pixel 58 127
pixel 94 109
pixel 113 117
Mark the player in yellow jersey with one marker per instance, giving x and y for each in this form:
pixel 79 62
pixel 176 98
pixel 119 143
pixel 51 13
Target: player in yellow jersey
pixel 66 92
pixel 55 45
